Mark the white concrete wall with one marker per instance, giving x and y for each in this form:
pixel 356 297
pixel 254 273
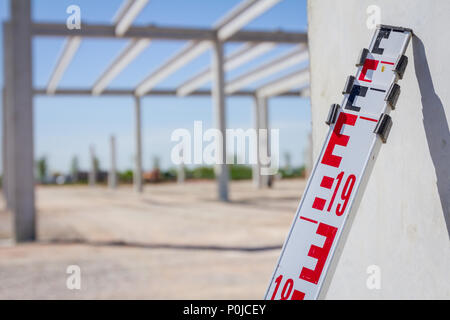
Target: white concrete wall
pixel 403 222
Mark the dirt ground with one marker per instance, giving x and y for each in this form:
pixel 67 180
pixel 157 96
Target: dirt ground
pixel 171 242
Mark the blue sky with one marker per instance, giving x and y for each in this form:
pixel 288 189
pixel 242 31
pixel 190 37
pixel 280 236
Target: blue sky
pixel 66 126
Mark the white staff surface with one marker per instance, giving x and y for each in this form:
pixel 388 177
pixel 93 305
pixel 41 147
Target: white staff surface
pixel 357 129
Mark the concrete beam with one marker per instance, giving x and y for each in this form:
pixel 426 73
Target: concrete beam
pixel 297 55
pixel 159 92
pixel 222 174
pixel 294 80
pixel 240 16
pixel 127 13
pixel 244 54
pixel 133 50
pixel 166 33
pixel 69 50
pixel 190 51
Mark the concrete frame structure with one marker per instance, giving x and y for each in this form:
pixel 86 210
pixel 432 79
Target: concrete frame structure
pixel 18 125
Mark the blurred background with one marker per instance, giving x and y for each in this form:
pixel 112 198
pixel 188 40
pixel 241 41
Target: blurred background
pixel 94 90
pixel 104 102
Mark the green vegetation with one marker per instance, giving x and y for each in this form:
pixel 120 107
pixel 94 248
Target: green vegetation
pixel 126 176
pixel 292 173
pixel 42 169
pixel 77 176
pixel 201 173
pixel 240 172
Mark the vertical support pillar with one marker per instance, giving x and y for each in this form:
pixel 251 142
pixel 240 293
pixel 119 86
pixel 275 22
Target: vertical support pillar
pixel 8 155
pixel 137 176
pixel 112 176
pixel 256 169
pixel 4 142
pixel 93 171
pixel 264 142
pixel 20 122
pixel 181 174
pixel 222 174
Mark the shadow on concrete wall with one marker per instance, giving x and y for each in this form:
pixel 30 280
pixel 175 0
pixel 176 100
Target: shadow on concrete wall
pixel 436 127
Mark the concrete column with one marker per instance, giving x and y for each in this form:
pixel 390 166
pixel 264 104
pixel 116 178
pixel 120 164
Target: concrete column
pixel 20 122
pixel 8 155
pixel 93 171
pixel 222 174
pixel 181 174
pixel 137 176
pixel 264 141
pixel 256 172
pixel 112 175
pixel 4 141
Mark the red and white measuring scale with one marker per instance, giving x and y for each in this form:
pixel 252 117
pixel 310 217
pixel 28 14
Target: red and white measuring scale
pixel 331 198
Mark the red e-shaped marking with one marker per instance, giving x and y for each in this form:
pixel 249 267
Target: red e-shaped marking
pixel 298 295
pixel 319 253
pixel 369 64
pixel 338 139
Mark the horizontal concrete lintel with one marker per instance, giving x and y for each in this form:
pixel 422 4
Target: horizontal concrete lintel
pixel 165 33
pixel 126 92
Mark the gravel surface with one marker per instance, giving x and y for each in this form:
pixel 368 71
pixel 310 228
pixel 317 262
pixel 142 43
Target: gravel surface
pixel 171 242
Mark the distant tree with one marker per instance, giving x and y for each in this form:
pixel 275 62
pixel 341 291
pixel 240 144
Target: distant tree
pixel 42 169
pixel 126 176
pixel 240 172
pixel 203 173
